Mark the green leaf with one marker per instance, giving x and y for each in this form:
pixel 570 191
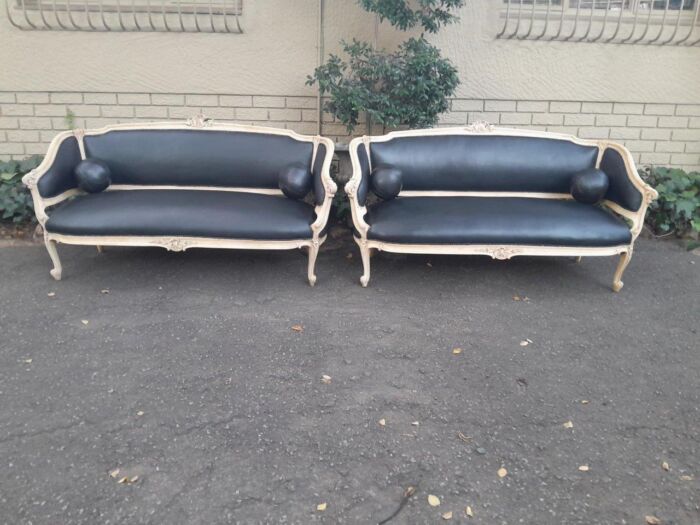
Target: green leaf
pixel 678 206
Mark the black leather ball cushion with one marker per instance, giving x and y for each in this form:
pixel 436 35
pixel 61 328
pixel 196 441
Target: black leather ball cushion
pixel 92 175
pixel 386 182
pixel 295 181
pixel 589 186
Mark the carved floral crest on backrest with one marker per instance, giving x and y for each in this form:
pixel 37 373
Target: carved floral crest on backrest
pixel 199 121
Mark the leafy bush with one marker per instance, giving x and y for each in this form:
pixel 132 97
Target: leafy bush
pixel 677 210
pixel 15 199
pixel 430 14
pixel 408 87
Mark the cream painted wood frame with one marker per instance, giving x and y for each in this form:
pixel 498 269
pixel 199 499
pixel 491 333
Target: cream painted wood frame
pixel 182 243
pixel 367 246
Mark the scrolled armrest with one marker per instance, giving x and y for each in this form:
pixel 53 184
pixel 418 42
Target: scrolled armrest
pixel 358 185
pixel 54 175
pixel 627 194
pixel 324 186
pixel 53 179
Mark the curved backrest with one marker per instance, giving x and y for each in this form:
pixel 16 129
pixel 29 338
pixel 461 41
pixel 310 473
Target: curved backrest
pixel 484 162
pixel 199 157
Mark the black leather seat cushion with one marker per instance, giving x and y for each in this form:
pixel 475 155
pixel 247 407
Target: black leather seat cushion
pixel 189 213
pixel 494 220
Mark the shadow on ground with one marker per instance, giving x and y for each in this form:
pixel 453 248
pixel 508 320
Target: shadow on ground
pixel 188 374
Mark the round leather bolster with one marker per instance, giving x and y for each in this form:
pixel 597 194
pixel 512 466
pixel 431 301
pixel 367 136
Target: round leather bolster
pixel 295 181
pixel 589 186
pixel 386 182
pixel 92 175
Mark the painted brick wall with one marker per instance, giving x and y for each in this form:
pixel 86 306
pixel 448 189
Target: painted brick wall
pixel 658 134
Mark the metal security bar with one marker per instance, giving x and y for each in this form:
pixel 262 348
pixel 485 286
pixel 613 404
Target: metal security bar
pixel 655 22
pixel 191 16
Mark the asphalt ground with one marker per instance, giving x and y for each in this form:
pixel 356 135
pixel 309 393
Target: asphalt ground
pixel 200 376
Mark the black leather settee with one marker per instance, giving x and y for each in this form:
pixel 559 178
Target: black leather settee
pixel 184 185
pixel 495 191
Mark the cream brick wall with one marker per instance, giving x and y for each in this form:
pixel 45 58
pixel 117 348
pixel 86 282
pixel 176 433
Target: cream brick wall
pixel 659 134
pixel 656 134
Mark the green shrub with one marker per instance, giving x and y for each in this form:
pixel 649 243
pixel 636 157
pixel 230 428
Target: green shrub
pixel 408 87
pixel 677 210
pixel 430 14
pixel 15 200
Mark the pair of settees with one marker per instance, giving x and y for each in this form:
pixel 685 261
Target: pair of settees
pixel 470 190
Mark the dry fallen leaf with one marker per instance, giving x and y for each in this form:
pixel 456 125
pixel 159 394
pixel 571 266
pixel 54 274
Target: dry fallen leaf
pixel 126 480
pixel 456 351
pixel 321 507
pixel 665 466
pixel 433 501
pixel 464 438
pixel 297 328
pixel 326 379
pixel 584 468
pixel 468 511
pixel 516 298
pixel 51 294
pixel 502 472
pixel 382 422
pixel 410 491
pixel 105 291
pixel 28 360
pixel 652 520
pixel 569 424
pixel 584 401
pixel 447 515
pixel 139 413
pixel 85 321
pixel 686 478
pixel 114 473
pixel 524 343
pixel 415 423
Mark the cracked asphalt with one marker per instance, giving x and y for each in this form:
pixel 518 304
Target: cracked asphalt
pixel 188 376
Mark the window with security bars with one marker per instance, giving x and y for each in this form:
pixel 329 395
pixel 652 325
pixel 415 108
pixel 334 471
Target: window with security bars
pixel 213 16
pixel 661 22
pixel 611 4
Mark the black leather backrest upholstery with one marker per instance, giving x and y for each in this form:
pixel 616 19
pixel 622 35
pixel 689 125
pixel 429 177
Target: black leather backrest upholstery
pixel 363 188
pixel 319 190
pixel 197 157
pixel 59 177
pixel 484 163
pixel 621 190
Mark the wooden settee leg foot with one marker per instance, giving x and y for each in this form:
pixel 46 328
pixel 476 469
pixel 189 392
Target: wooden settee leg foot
pixel 617 279
pixel 313 253
pixel 99 248
pixel 53 253
pixel 365 253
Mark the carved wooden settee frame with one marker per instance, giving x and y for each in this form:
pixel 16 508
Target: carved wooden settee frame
pixel 501 252
pixel 181 243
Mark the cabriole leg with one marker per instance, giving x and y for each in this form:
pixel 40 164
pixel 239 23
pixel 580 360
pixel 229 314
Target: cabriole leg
pixel 365 253
pixel 313 252
pixel 53 253
pixel 624 261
